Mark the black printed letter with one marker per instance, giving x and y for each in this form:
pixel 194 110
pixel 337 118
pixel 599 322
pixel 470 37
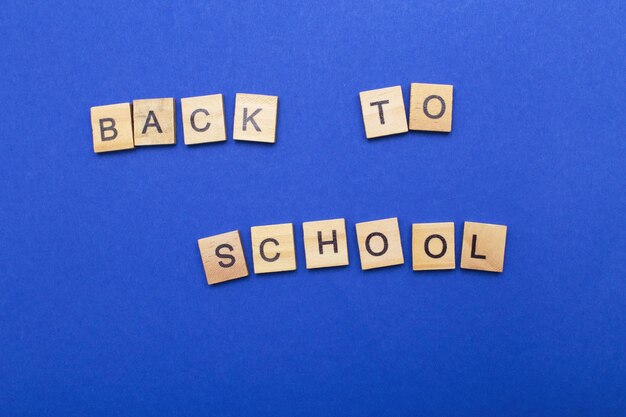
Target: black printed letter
pixel 380 109
pixel 321 243
pixel 250 118
pixel 444 247
pixel 225 256
pixel 192 119
pixel 474 254
pixel 148 124
pixel 103 128
pixel 441 112
pixel 262 250
pixel 385 244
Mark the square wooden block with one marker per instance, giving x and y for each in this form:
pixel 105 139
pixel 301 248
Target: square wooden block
pixel 431 107
pixel 273 248
pixel 379 243
pixel 222 257
pixel 155 122
pixel 255 118
pixel 433 246
pixel 112 127
pixel 325 243
pixel 203 119
pixel 483 247
pixel 383 112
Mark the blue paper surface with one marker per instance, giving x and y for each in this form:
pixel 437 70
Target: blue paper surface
pixel 104 307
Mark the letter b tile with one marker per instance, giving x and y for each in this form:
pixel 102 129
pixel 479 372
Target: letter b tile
pixel 112 127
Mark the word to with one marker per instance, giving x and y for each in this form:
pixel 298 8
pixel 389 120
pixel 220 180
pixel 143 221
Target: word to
pixel 151 122
pixel 325 245
pixel 430 109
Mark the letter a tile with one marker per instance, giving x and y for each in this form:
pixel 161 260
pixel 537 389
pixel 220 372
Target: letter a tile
pixel 222 257
pixel 383 112
pixel 155 122
pixel 255 118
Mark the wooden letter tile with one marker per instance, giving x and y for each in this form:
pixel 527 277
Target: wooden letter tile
pixel 154 121
pixel 431 107
pixel 325 243
pixel 383 112
pixel 112 127
pixel 273 248
pixel 222 257
pixel 483 247
pixel 433 246
pixel 203 119
pixel 379 243
pixel 255 118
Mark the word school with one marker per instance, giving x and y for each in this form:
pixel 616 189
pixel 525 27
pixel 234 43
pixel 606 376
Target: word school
pixel 325 245
pixel 151 122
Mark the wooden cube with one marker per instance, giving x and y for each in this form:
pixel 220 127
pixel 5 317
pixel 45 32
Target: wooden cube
pixel 325 243
pixel 255 118
pixel 431 107
pixel 154 121
pixel 483 247
pixel 203 119
pixel 379 243
pixel 383 112
pixel 112 127
pixel 222 257
pixel 433 246
pixel 273 248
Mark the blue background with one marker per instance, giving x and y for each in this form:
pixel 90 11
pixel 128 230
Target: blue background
pixel 104 307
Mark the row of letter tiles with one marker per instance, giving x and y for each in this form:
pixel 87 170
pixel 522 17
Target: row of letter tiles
pixel 384 113
pixel 325 245
pixel 150 122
